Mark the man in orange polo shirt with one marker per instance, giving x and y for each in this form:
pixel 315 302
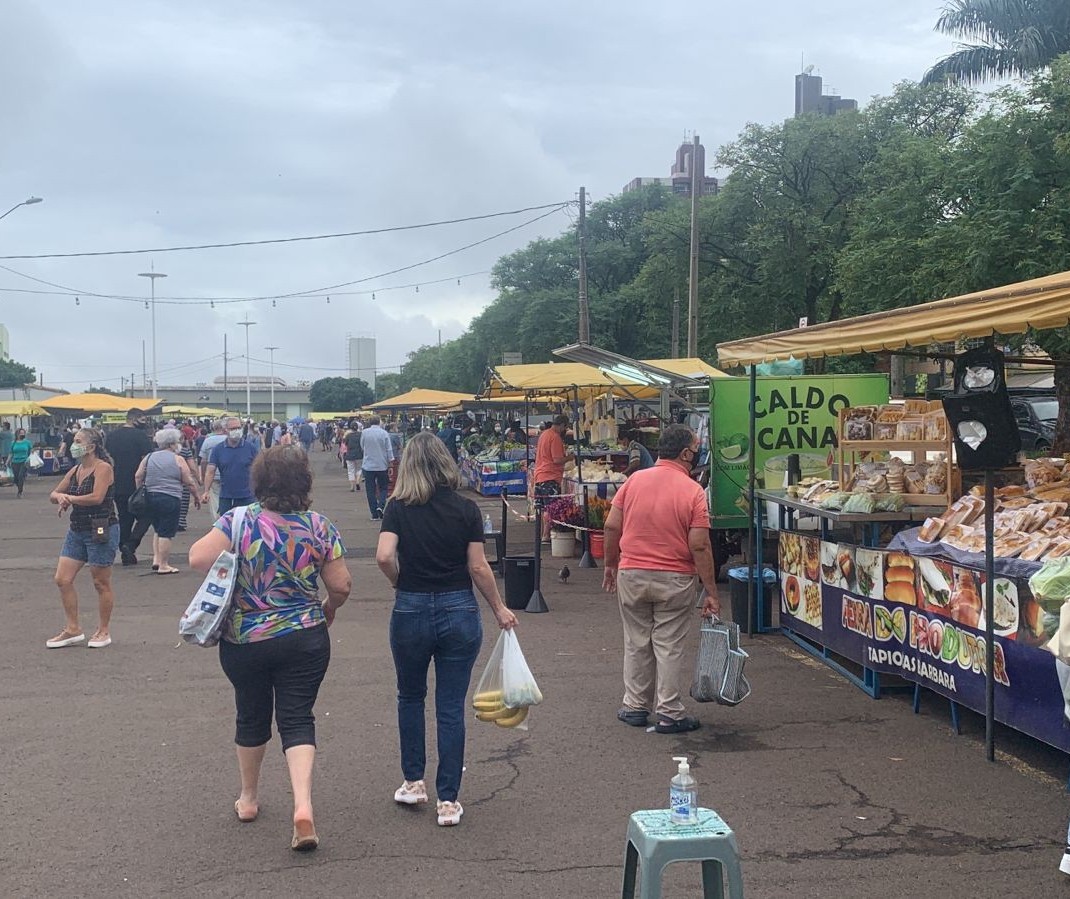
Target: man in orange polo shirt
pixel 658 536
pixel 550 459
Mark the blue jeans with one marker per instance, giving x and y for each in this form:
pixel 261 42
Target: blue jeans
pixel 226 503
pixel 376 483
pixel 445 627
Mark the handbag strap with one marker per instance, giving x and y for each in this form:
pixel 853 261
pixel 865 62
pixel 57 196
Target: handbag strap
pixel 236 527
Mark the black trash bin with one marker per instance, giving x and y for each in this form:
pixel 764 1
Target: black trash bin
pixel 740 579
pixel 519 581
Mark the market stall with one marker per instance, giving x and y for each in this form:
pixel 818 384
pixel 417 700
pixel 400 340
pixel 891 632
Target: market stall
pixel 919 607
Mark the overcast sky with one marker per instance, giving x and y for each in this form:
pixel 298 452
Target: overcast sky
pixel 153 124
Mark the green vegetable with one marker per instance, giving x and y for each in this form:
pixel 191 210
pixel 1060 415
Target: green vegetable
pixel 1052 583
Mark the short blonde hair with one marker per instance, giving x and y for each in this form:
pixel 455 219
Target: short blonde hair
pixel 425 466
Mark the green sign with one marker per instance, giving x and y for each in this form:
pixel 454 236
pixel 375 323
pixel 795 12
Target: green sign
pixel 793 415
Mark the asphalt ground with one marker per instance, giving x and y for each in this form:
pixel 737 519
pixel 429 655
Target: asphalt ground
pixel 117 773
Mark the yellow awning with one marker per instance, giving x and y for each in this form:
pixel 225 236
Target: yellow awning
pixel 565 377
pixel 21 408
pixel 97 402
pixel 688 368
pixel 329 416
pixel 421 398
pixel 1041 303
pixel 194 411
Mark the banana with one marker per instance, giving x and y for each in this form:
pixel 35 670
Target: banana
pixel 500 712
pixel 489 696
pixel 482 706
pixel 518 717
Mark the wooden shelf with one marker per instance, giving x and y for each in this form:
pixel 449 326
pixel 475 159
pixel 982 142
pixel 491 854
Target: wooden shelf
pixel 905 446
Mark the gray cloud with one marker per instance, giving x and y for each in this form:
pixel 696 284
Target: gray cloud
pixel 155 123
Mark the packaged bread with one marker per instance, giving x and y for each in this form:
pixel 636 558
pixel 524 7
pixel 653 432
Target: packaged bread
pixel 895 475
pixel 1015 503
pixel 1058 549
pixel 1008 491
pixel 1010 546
pixel 935 425
pixel 914 478
pixel 1040 472
pixel 936 480
pixel 932 529
pixel 974 543
pixel 915 407
pixel 910 429
pixel 856 427
pixel 1036 549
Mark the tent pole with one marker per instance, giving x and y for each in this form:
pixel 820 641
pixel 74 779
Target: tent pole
pixel 755 583
pixel 990 601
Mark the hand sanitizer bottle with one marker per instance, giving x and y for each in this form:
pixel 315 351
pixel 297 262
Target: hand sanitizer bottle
pixel 683 794
pixel 488 525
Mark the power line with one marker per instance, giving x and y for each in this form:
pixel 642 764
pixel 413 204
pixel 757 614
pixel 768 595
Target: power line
pixel 313 293
pixel 280 240
pixel 183 301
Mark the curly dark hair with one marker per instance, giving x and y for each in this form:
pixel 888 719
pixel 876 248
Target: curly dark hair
pixel 282 479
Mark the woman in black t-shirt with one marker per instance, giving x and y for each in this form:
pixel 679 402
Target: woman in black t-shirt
pixel 431 551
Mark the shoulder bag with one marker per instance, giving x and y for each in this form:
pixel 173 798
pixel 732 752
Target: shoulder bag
pixel 204 618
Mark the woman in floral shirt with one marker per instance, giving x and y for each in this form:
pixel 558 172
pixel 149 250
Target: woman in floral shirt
pixel 275 649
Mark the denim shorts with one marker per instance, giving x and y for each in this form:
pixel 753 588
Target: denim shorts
pixel 79 546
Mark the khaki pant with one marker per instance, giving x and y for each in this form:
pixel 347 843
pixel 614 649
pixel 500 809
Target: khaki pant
pixel 657 608
pixel 213 501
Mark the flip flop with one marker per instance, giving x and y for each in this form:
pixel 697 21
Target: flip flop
pixel 168 571
pixel 240 818
pixel 304 843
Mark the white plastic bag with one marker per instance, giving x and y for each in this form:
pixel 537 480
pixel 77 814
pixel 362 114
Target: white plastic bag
pixel 202 622
pixel 507 687
pixel 34 461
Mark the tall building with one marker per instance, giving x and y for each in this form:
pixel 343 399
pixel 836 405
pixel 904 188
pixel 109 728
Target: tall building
pixel 679 180
pixel 811 98
pixel 362 359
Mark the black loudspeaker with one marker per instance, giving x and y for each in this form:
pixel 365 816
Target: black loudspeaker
pixel 979 412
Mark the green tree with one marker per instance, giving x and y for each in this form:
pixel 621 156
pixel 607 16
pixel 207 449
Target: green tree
pixel 1010 38
pixel 106 390
pixel 15 374
pixel 339 394
pixel 387 386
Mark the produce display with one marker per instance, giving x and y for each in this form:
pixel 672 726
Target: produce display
pixel 914 420
pixel 1031 521
pixel 595 471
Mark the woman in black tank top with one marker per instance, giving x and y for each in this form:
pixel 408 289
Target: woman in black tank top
pixel 87 490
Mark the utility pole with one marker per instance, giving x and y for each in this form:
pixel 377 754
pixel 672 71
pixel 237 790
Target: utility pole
pixel 226 395
pixel 131 385
pixel 676 323
pixel 144 367
pixel 271 349
pixel 585 315
pixel 248 383
pixel 692 286
pixel 152 275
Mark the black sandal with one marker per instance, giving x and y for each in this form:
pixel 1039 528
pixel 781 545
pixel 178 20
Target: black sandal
pixel 634 717
pixel 676 725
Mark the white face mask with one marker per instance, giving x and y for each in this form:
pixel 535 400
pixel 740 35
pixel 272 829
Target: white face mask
pixel 234 434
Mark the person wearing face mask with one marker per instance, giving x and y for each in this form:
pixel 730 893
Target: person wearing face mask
pixel 87 490
pixel 127 446
pixel 657 551
pixel 233 459
pixel 20 454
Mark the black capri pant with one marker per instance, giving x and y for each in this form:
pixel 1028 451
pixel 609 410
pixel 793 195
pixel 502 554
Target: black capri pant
pixel 281 674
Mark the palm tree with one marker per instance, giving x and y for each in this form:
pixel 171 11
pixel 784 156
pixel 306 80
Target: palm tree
pixel 1012 38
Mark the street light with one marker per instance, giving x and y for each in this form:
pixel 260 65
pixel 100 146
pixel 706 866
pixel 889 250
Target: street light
pixel 29 201
pixel 152 276
pixel 271 349
pixel 248 390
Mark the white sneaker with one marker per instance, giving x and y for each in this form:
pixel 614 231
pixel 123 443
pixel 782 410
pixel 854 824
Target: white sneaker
pixel 449 813
pixel 411 793
pixel 1064 865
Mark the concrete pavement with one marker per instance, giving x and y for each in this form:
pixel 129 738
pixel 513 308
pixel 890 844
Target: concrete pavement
pixel 118 773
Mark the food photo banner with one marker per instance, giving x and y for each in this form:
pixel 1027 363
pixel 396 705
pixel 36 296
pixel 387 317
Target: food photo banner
pixel 923 620
pixel 792 415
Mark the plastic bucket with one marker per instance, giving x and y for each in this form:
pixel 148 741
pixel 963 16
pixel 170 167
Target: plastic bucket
pixel 562 544
pixel 597 544
pixel 519 581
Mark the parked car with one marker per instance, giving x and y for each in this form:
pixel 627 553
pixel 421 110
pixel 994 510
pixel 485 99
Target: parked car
pixel 1036 417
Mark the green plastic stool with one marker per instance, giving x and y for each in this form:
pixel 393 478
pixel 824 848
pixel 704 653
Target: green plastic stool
pixel 654 842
